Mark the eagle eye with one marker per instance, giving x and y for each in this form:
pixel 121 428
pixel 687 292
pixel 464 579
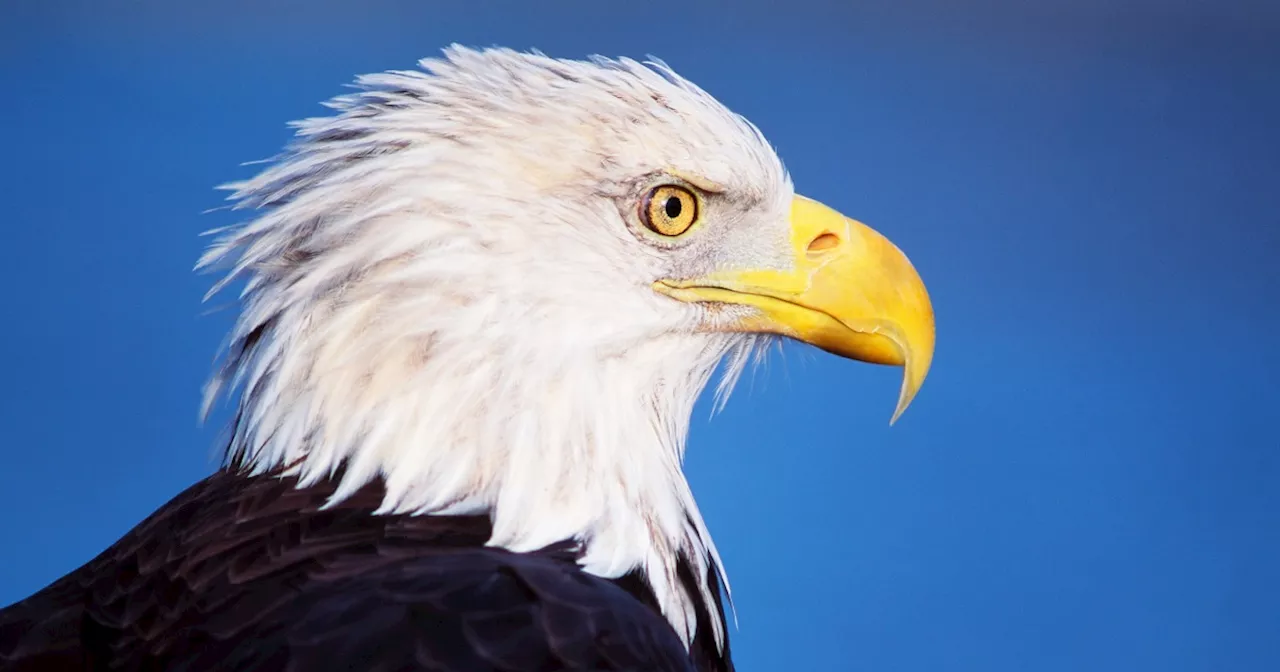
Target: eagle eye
pixel 669 210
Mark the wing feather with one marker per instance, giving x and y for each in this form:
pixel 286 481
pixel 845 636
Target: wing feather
pixel 251 573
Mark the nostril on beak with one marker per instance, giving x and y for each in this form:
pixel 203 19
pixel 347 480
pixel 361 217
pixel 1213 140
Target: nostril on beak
pixel 823 243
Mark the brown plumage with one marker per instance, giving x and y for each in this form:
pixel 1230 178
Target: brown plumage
pixel 250 573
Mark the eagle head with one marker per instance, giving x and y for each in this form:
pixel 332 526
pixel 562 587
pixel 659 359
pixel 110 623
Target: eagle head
pixel 499 283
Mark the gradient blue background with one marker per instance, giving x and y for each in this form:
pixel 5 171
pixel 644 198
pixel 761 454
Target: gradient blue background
pixel 1088 480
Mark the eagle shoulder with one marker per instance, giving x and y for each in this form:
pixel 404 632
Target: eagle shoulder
pixel 254 573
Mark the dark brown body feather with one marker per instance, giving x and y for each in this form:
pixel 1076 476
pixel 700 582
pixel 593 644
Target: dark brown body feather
pixel 249 573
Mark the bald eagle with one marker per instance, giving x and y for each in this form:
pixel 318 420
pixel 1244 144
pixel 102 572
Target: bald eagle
pixel 478 303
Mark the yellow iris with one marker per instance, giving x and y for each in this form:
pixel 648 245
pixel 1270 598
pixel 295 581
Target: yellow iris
pixel 670 210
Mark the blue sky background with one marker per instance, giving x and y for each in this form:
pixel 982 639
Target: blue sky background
pixel 1087 481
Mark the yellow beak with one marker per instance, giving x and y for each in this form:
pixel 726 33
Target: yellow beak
pixel 850 292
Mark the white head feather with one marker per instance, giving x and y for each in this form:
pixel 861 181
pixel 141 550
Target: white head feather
pixel 443 290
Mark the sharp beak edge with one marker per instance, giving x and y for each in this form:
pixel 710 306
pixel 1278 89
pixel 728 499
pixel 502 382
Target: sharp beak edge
pixel 850 292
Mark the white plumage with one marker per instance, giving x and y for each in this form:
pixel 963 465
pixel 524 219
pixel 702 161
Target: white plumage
pixel 445 288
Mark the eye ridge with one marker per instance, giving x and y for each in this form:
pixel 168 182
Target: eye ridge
pixel 669 210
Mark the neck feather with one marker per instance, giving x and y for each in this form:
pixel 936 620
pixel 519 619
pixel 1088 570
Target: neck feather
pixel 577 444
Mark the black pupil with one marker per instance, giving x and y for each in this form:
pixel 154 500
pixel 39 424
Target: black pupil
pixel 672 207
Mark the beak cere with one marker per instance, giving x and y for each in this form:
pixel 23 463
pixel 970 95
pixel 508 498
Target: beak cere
pixel 850 292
